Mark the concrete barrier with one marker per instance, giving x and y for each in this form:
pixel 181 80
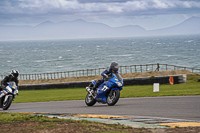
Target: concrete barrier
pixel 130 81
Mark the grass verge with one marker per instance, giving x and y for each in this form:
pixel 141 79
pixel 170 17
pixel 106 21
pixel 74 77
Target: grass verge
pixel 17 122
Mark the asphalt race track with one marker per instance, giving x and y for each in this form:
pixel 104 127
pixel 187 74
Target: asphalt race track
pixel 177 107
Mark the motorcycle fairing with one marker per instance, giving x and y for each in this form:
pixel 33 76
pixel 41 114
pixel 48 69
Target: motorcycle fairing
pixel 103 89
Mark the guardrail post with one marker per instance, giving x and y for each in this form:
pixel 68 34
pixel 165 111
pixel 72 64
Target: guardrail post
pixel 158 67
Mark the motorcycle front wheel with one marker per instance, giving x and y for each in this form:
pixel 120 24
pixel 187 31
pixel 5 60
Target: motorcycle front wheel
pixel 7 101
pixel 89 100
pixel 113 97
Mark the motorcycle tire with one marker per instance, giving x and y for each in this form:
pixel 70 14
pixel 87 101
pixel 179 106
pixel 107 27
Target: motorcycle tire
pixel 7 103
pixel 113 97
pixel 89 100
pixel 1 102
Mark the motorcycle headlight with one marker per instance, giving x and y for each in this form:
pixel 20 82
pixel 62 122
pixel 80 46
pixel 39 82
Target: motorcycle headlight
pixel 15 92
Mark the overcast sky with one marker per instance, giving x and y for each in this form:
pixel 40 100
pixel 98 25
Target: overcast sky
pixel 150 14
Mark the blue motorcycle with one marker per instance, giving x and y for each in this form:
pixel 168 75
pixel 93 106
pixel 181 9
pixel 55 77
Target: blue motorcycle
pixel 8 94
pixel 108 92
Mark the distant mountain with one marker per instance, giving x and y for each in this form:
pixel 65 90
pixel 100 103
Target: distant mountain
pixel 67 30
pixel 189 26
pixel 46 23
pixel 83 29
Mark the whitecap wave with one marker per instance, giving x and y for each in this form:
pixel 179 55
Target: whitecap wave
pixel 122 55
pixel 189 41
pixel 46 60
pixel 59 66
pixel 68 50
pixel 169 55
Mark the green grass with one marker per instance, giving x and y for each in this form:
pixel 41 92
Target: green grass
pixel 192 87
pixel 38 123
pixel 14 117
pixel 50 95
pixel 164 90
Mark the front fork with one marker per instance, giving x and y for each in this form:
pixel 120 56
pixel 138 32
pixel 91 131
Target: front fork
pixel 88 89
pixel 6 97
pixel 3 99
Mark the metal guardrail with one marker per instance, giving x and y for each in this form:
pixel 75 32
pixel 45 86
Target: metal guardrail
pixel 93 72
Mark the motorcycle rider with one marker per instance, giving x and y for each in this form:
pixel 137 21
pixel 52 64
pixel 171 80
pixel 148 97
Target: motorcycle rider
pixel 113 69
pixel 10 78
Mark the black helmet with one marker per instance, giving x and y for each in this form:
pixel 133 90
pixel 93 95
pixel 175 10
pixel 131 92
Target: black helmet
pixel 15 73
pixel 114 66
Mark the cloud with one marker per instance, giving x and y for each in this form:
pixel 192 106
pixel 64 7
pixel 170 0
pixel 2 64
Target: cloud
pixel 30 10
pixel 74 6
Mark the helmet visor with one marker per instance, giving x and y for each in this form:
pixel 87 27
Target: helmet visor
pixel 115 68
pixel 15 75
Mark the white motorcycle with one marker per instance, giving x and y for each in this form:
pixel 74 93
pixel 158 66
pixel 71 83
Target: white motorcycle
pixel 8 94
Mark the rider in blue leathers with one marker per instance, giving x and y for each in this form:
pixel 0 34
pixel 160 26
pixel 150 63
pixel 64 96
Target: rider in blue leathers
pixel 113 69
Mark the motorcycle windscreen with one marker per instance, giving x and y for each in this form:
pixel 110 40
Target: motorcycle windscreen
pixel 13 84
pixel 119 77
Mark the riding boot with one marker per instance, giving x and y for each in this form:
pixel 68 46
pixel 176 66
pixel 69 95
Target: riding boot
pixel 97 84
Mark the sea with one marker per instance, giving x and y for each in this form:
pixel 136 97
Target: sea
pixel 46 56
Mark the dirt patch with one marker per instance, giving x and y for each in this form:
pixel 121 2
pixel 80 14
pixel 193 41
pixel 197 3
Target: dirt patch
pixel 89 78
pixel 65 127
pixel 77 127
pixel 178 130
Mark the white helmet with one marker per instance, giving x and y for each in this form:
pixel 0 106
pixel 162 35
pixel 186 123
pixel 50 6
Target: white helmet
pixel 15 73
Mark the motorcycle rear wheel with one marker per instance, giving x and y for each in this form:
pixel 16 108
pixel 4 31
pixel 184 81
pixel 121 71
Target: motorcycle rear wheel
pixel 7 103
pixel 89 100
pixel 113 97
